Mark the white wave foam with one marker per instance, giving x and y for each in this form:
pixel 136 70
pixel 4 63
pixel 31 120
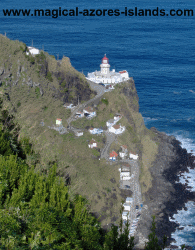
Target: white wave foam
pixel 183 217
pixel 186 221
pixel 149 119
pixel 191 91
pixel 186 143
pixel 189 179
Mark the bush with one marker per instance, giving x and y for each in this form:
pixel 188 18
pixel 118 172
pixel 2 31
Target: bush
pixel 95 152
pixel 63 84
pixel 45 108
pixel 23 49
pixel 105 101
pixel 31 59
pixel 37 91
pixel 18 104
pixel 49 76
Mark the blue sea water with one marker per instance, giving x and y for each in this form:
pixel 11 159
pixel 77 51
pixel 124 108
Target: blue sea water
pixel 158 52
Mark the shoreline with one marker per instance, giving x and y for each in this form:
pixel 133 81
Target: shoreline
pixel 166 196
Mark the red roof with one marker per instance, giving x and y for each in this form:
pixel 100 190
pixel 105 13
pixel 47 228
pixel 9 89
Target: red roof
pixel 105 58
pixel 59 119
pixel 113 154
pixel 124 146
pixel 124 71
pixel 116 126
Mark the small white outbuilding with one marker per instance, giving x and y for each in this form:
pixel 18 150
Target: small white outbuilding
pixel 133 155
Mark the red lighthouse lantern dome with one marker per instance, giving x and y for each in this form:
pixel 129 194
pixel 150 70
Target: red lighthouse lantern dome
pixel 105 59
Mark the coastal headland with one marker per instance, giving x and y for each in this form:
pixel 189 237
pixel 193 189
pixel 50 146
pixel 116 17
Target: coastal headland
pixel 35 88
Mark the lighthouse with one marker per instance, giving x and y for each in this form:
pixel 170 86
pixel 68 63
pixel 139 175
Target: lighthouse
pixel 106 76
pixel 105 66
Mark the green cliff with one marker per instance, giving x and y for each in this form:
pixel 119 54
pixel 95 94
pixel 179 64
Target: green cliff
pixel 34 89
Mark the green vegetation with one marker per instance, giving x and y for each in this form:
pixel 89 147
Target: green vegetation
pixel 37 91
pixel 18 104
pixel 153 243
pixel 105 101
pixel 34 158
pixel 95 152
pixel 49 76
pixel 35 209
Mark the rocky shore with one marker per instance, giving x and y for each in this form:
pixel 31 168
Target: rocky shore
pixel 166 195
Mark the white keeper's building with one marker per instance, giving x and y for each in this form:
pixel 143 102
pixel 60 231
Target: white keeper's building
pixel 106 76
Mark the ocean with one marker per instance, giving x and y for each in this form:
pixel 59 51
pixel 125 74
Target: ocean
pixel 157 51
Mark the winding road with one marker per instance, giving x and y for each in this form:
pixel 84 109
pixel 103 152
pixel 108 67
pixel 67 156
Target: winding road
pixel 110 138
pixel 100 91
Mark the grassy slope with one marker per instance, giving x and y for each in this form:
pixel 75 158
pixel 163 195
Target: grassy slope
pixel 90 177
pixel 137 137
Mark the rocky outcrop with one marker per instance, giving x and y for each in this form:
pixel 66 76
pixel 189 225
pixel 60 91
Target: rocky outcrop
pixel 58 79
pixel 166 196
pixel 131 92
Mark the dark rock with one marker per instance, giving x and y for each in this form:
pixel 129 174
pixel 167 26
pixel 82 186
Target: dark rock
pixel 113 196
pixel 1 71
pixel 113 180
pixel 166 196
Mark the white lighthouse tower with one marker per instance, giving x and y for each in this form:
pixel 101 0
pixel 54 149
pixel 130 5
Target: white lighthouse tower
pixel 105 66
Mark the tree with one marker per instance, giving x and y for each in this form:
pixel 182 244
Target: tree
pixel 153 243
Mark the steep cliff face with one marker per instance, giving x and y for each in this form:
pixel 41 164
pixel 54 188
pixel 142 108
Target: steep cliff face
pixel 56 79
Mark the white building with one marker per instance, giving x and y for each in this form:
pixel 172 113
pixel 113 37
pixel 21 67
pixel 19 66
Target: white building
pixel 58 121
pixel 116 129
pixel 89 112
pixel 129 200
pixel 125 176
pixel 33 51
pixel 105 75
pixel 117 117
pixel 127 207
pixel 125 215
pixel 122 154
pixel 110 122
pixel 133 156
pixel 79 133
pixel 68 105
pixel 92 144
pixel 95 131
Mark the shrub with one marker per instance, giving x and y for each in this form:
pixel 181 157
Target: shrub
pixel 105 101
pixel 18 104
pixel 63 84
pixel 45 108
pixel 49 76
pixel 37 91
pixel 95 152
pixel 23 49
